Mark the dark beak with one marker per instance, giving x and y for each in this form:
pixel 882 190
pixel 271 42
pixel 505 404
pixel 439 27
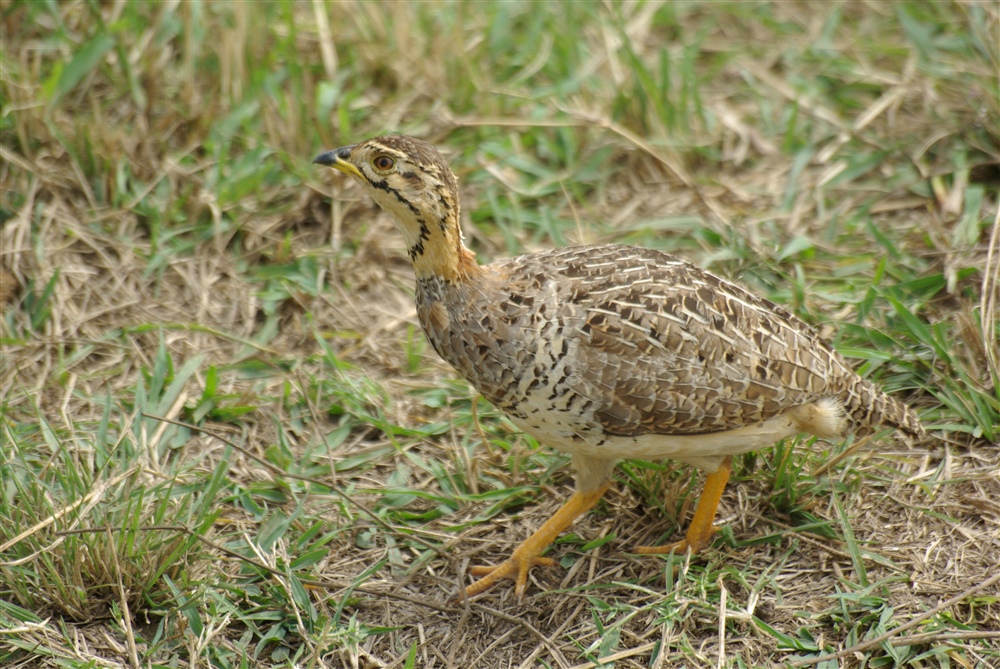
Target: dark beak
pixel 338 159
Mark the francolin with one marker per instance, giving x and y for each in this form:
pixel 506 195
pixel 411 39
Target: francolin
pixel 610 351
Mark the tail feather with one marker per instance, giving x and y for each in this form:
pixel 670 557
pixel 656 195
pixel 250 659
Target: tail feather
pixel 869 408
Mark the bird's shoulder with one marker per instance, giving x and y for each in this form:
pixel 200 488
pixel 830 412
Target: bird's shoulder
pixel 628 285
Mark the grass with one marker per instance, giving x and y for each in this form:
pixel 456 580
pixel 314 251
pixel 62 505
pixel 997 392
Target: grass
pixel 225 442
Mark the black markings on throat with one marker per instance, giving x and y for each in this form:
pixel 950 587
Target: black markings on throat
pixel 384 185
pixel 424 234
pixel 417 249
pixel 441 190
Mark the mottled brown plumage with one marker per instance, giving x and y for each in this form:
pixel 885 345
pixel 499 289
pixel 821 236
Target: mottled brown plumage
pixel 611 351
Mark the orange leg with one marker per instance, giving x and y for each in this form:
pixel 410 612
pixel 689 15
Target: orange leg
pixel 528 554
pixel 699 534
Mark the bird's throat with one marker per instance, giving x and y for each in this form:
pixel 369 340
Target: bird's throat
pixel 437 251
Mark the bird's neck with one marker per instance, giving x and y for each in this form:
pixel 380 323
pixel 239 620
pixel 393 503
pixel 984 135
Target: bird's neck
pixel 446 258
pixel 432 234
pixel 434 244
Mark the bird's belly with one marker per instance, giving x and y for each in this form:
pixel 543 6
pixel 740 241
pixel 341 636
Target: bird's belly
pixel 570 434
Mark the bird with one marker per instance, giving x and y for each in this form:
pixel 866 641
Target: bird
pixel 610 351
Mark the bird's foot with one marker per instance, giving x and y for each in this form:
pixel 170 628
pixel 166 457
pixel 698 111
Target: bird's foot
pixel 516 568
pixel 701 530
pixel 529 553
pixel 695 544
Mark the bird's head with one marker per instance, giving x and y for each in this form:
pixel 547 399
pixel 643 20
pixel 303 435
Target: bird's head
pixel 411 181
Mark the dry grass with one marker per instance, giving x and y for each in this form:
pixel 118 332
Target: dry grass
pixel 168 254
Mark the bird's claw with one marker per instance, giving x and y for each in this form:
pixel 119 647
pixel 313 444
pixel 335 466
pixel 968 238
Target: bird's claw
pixel 695 544
pixel 516 568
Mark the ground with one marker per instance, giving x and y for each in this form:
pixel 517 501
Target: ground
pixel 225 442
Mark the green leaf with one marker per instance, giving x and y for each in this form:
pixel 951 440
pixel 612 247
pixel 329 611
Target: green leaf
pixel 797 245
pixel 967 230
pixel 411 657
pixel 41 309
pixel 852 544
pixel 86 59
pixel 598 542
pixel 785 640
pixel 272 529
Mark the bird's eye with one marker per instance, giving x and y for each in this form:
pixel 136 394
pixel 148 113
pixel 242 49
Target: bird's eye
pixel 383 163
